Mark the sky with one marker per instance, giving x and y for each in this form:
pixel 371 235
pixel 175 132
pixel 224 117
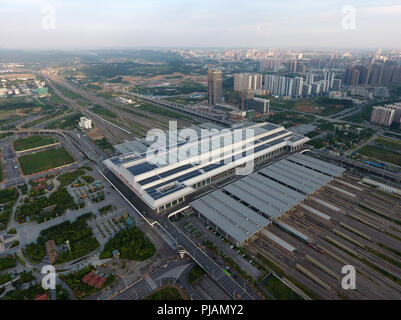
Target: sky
pixel 95 24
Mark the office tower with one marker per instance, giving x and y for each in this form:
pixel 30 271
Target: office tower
pixel 215 86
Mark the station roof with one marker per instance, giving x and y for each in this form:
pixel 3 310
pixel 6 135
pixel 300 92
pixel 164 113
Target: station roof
pixel 317 165
pixel 232 217
pixel 243 207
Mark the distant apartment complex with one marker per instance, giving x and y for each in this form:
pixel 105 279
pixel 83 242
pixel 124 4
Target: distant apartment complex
pixel 298 87
pixel 374 74
pixel 248 81
pixel 386 115
pixel 215 86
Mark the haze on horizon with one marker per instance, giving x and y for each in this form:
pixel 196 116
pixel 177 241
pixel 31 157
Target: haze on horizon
pixel 94 24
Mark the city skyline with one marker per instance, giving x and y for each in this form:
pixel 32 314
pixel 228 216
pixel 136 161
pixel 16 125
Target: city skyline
pixel 63 24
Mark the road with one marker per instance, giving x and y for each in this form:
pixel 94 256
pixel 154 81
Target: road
pixel 230 286
pixel 11 170
pixel 172 273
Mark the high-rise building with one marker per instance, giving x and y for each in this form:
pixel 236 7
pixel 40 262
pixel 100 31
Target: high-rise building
pixel 298 85
pixel 310 78
pixel 247 81
pixel 383 116
pixel 397 112
pixel 337 84
pixel 292 67
pixel 270 64
pixel 215 86
pixel 307 90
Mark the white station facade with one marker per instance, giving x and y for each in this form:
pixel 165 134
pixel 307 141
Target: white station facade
pixel 194 163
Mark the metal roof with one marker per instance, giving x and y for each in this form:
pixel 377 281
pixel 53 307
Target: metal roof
pixel 326 204
pixel 229 215
pixel 291 230
pixel 256 192
pixel 316 164
pixel 317 212
pixel 271 191
pixel 322 178
pixel 285 178
pixel 278 240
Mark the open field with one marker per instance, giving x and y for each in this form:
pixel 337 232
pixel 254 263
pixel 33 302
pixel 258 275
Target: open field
pixel 321 106
pixel 102 111
pixel 68 93
pixel 389 143
pixel 381 154
pixel 279 290
pixel 69 122
pixel 32 142
pixel 45 160
pixel 162 111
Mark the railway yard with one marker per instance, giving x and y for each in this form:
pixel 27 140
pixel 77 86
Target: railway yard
pixel 344 223
pixel 122 122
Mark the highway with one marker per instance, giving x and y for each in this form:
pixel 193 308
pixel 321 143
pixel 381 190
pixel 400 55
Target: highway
pixel 171 273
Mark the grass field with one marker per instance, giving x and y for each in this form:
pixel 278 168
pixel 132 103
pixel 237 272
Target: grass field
pixel 322 106
pixel 279 290
pixel 102 111
pixel 381 154
pixel 68 93
pixel 69 122
pixel 389 143
pixel 164 112
pixel 45 160
pixel 32 142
